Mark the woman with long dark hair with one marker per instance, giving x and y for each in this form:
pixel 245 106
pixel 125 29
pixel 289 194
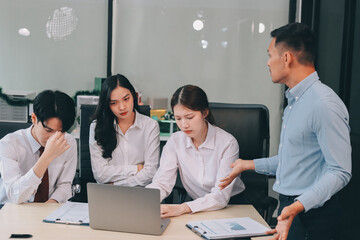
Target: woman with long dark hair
pixel 124 144
pixel 201 152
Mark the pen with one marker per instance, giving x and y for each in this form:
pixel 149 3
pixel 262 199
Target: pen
pixel 67 222
pixel 198 231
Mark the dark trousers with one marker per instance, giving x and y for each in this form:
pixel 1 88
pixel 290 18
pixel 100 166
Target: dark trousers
pixel 316 224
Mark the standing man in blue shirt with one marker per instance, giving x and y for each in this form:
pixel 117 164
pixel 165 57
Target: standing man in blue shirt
pixel 314 155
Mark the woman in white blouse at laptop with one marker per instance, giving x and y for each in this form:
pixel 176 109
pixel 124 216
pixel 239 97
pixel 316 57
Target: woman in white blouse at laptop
pixel 124 144
pixel 201 152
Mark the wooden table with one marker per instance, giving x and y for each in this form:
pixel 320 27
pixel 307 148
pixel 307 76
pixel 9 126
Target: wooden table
pixel 27 218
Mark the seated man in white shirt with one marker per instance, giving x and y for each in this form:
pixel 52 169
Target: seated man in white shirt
pixel 38 164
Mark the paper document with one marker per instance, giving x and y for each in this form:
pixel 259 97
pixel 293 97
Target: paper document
pixel 70 213
pixel 228 228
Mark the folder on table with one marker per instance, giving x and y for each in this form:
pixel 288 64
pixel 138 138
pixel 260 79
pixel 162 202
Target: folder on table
pixel 70 213
pixel 230 228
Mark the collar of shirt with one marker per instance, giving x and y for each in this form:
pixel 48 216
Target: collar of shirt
pixel 209 141
pixel 33 143
pixel 296 92
pixel 137 123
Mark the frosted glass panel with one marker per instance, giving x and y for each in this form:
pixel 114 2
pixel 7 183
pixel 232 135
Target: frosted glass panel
pixel 219 45
pixel 52 44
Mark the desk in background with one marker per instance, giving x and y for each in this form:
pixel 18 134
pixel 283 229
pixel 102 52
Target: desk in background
pixel 164 137
pixel 27 218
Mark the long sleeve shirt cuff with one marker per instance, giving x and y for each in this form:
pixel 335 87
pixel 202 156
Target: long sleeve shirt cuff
pixel 261 166
pixel 127 182
pixel 193 206
pixel 32 179
pixel 307 200
pixel 198 205
pixel 59 196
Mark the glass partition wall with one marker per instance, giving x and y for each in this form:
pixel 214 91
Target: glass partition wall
pixel 219 45
pixel 52 44
pixel 159 45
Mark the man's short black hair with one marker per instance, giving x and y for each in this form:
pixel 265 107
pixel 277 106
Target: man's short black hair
pixel 298 38
pixel 49 104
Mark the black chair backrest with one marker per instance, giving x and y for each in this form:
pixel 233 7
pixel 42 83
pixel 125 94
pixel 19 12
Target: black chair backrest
pixel 145 109
pixel 249 124
pixel 86 174
pixel 85 171
pixel 9 127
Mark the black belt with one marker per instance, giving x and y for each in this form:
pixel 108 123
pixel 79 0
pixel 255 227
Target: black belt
pixel 287 198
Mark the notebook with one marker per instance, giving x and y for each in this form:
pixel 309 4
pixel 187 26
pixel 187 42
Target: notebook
pixel 125 209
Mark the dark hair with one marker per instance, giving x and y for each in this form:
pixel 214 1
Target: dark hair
pixel 299 38
pixel 55 104
pixel 193 98
pixel 105 134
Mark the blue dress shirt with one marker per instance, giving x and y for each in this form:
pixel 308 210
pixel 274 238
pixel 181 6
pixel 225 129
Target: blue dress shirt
pixel 314 156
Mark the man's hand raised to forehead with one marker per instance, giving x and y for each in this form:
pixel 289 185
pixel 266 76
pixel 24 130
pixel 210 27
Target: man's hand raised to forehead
pixel 55 146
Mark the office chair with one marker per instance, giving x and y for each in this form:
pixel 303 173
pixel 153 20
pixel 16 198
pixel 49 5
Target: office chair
pixel 9 127
pixel 85 171
pixel 249 124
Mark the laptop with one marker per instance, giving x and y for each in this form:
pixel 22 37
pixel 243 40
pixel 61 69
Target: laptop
pixel 125 209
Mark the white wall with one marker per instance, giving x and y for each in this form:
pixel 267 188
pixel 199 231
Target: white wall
pixel 157 48
pixel 69 60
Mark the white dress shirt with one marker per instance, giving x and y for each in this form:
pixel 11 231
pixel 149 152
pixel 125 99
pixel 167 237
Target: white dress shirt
pixel 140 144
pixel 200 169
pixel 19 152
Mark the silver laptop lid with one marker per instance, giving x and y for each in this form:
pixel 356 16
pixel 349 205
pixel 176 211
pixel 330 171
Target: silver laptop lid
pixel 125 209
